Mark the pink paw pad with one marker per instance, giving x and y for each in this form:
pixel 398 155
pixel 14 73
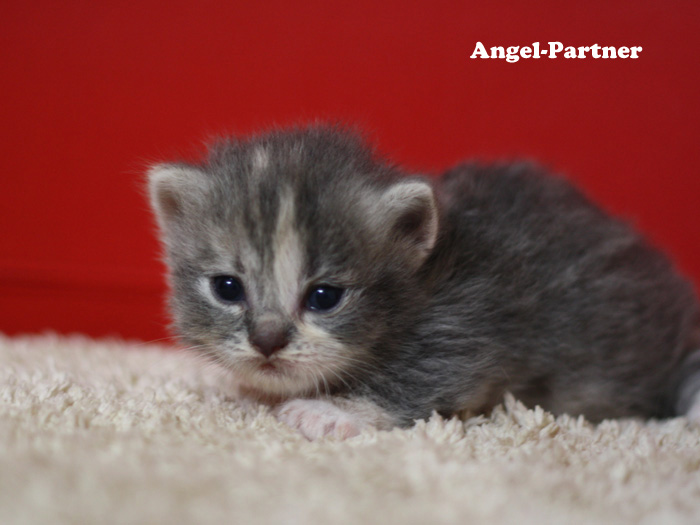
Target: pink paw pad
pixel 316 418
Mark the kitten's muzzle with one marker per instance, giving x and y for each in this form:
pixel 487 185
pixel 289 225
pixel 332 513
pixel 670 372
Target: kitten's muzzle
pixel 268 337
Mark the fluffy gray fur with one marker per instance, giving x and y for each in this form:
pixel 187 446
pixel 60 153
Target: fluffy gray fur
pixel 490 278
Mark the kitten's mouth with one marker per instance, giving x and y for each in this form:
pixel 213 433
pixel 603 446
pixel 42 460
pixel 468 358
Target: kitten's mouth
pixel 278 377
pixel 272 368
pixel 268 366
pixel 281 377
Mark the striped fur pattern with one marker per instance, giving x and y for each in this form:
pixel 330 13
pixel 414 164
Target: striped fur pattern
pixel 454 289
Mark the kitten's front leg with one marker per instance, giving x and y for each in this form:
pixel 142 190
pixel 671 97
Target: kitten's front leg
pixel 338 417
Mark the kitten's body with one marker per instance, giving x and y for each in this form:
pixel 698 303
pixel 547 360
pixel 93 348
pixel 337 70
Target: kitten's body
pixel 496 278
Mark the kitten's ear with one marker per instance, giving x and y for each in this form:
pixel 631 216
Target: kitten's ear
pixel 410 212
pixel 174 190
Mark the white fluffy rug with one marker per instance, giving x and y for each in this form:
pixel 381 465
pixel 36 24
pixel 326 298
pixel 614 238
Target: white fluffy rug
pixel 112 432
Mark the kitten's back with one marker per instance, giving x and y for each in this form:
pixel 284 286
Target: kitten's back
pixel 585 316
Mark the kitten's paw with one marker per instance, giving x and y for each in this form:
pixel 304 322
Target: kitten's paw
pixel 316 418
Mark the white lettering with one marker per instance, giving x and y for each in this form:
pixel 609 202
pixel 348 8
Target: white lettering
pixel 554 48
pixel 536 50
pixel 479 51
pixel 609 52
pixel 512 55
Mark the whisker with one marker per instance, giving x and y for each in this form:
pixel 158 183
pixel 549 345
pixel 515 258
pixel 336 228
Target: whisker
pixel 152 341
pixel 325 383
pixel 356 372
pixel 340 377
pixel 356 363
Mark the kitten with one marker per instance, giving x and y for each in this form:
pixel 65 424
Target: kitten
pixel 349 294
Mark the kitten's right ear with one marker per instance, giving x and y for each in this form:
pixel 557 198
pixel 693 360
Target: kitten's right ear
pixel 174 191
pixel 409 215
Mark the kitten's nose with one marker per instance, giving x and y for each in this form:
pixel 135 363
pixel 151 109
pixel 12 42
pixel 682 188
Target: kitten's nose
pixel 268 338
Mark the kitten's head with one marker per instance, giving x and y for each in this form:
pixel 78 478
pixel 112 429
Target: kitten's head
pixel 293 256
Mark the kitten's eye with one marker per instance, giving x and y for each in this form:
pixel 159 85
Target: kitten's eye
pixel 323 297
pixel 228 288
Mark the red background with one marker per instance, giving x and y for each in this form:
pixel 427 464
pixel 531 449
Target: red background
pixel 92 92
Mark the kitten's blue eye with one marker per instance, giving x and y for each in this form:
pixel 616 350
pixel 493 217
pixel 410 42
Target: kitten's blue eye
pixel 228 288
pixel 323 297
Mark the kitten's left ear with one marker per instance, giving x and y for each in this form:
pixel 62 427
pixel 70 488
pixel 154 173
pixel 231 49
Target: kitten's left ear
pixel 410 212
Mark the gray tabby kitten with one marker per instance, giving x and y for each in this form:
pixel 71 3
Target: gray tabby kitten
pixel 348 294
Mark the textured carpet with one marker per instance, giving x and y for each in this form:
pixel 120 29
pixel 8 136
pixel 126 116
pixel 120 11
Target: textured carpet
pixel 113 432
